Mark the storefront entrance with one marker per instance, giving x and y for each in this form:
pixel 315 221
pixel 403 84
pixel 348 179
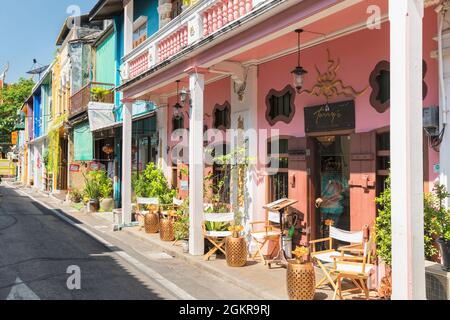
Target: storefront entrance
pixel 331 166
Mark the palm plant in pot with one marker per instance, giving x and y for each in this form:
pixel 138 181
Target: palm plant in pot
pixel 106 192
pixel 92 192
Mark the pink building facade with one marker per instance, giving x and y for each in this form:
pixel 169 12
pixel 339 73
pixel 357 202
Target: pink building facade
pixel 333 134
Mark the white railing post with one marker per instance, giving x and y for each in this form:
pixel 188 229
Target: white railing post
pixel 408 265
pixel 195 28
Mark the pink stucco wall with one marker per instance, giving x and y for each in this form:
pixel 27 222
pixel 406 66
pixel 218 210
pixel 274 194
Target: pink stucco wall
pixel 217 92
pixel 358 54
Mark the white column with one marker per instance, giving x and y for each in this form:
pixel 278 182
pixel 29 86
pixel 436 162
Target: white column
pixel 248 110
pixel 128 26
pixel 196 164
pixel 408 262
pixel 162 129
pixel 126 161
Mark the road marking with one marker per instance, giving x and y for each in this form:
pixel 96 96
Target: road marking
pixel 20 291
pixel 151 273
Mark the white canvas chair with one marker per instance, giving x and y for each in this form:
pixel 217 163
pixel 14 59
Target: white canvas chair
pixel 325 258
pixel 216 238
pixel 356 268
pixel 141 205
pixel 270 233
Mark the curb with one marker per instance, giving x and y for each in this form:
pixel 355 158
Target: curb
pixel 204 266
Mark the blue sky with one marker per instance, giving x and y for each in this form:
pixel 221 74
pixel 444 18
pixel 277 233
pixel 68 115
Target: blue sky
pixel 28 29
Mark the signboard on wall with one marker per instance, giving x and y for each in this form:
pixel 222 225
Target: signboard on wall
pixel 14 138
pixel 331 117
pixel 74 167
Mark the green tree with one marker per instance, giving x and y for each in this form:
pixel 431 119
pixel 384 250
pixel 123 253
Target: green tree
pixel 12 97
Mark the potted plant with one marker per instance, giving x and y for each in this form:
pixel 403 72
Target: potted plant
pixel 99 94
pixel 438 217
pixel 301 278
pixel 106 192
pixel 383 234
pixel 75 196
pixel 153 184
pixel 92 191
pixel 236 247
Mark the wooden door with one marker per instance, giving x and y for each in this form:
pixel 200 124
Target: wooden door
pixel 298 185
pixel 312 162
pixel 362 180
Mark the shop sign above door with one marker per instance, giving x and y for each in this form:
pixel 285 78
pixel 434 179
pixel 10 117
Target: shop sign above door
pixel 330 117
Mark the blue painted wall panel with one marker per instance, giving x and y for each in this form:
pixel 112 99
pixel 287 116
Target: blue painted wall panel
pixel 37 115
pixel 147 8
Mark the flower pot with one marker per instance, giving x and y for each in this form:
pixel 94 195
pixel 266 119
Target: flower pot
pixel 166 230
pixel 151 223
pixel 107 205
pixel 93 205
pixel 301 280
pixel 236 251
pixel 185 246
pixel 444 248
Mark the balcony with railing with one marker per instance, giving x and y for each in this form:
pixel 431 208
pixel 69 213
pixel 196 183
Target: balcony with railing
pixel 195 23
pixel 92 92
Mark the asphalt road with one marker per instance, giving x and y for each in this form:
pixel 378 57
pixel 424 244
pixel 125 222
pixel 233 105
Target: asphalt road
pixel 38 249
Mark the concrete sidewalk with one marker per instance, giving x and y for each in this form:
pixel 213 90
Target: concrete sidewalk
pixel 254 277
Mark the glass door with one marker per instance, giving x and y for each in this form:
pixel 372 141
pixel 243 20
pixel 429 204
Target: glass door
pixel 334 169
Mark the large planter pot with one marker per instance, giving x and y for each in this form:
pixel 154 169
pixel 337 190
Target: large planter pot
pixel 301 281
pixel 93 205
pixel 236 251
pixel 444 248
pixel 151 223
pixel 166 230
pixel 107 205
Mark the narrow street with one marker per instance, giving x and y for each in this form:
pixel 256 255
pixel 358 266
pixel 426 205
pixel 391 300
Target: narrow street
pixel 38 249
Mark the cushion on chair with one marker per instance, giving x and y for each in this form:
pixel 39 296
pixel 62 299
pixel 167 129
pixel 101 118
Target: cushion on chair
pixel 353 267
pixel 262 235
pixel 218 234
pixel 328 256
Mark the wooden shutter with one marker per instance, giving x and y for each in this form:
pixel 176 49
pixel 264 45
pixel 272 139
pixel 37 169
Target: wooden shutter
pixel 362 180
pixel 298 181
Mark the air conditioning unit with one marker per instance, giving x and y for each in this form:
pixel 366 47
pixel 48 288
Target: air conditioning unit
pixel 431 120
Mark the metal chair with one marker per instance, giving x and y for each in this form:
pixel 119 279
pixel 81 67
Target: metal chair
pixel 216 238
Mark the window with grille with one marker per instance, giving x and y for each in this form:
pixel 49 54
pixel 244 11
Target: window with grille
pixel 383 160
pixel 280 105
pixel 177 122
pixel 278 154
pixel 222 116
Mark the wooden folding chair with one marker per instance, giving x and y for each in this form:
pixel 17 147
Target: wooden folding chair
pixel 270 233
pixel 217 238
pixel 324 258
pixel 356 268
pixel 142 206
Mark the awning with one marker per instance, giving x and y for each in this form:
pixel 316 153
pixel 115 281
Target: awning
pixel 83 143
pixel 101 115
